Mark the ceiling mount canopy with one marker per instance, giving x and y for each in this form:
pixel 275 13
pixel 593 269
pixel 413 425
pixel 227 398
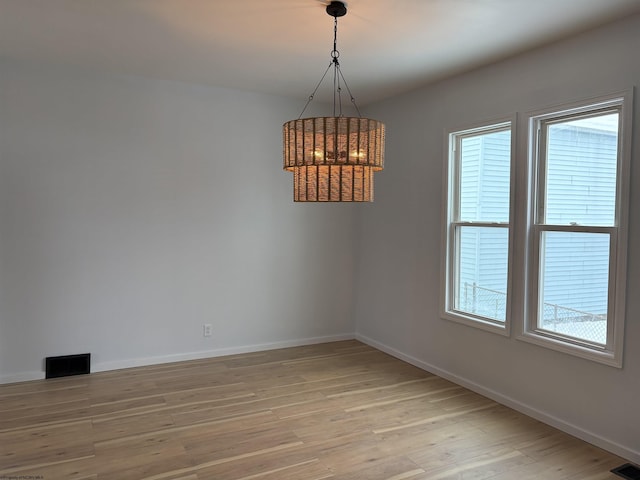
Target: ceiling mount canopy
pixel 337 9
pixel 333 158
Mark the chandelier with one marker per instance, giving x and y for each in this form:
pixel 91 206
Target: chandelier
pixel 333 158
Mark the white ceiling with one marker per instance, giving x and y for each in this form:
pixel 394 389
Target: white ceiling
pixel 282 46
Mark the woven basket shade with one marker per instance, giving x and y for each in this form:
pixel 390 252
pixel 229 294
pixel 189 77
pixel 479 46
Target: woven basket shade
pixel 333 158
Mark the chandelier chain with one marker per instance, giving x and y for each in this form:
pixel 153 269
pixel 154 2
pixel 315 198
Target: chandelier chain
pixel 335 53
pixel 310 99
pixel 336 70
pixel 338 78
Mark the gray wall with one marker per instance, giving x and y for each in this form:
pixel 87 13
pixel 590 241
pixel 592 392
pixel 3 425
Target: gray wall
pixel 398 283
pixel 133 211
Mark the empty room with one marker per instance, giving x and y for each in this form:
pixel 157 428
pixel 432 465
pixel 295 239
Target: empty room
pixel 198 282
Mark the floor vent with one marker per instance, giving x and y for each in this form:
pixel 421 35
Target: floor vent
pixel 67 365
pixel 628 471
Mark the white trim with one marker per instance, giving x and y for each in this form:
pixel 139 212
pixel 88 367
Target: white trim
pixel 219 352
pixel 590 437
pixel 624 198
pixel 564 346
pixel 527 331
pixel 21 377
pixel 181 357
pixel 450 172
pixel 476 322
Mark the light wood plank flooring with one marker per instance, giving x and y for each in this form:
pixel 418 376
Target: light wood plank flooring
pixel 334 411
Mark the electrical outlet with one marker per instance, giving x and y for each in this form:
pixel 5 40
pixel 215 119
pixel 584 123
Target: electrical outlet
pixel 207 330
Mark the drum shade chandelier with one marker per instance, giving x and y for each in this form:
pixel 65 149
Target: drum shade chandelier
pixel 333 158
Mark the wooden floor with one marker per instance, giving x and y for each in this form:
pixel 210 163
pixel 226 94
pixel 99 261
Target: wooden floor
pixel 334 411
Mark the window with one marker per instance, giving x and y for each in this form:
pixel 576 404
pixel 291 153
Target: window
pixel 577 230
pixel 478 226
pixel 539 240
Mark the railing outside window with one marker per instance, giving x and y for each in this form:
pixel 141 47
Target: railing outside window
pixel 491 303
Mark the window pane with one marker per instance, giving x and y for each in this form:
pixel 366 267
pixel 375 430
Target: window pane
pixel 484 177
pixel 481 279
pixel 574 284
pixel 581 164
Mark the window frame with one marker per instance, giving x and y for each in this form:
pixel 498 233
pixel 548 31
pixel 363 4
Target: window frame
pixel 452 224
pixel 528 330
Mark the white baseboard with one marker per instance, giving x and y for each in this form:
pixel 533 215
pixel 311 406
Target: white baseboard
pixel 21 377
pixel 181 357
pixel 219 352
pixel 590 437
